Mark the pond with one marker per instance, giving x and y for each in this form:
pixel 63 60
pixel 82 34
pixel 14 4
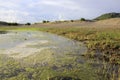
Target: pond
pixel 54 56
pixel 3 32
pixel 30 42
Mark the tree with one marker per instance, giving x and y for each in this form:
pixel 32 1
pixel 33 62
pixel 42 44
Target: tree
pixel 72 20
pixel 28 24
pixel 45 21
pixel 82 19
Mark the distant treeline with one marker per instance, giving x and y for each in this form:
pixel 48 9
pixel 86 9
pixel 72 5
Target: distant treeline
pixel 102 17
pixel 8 24
pixel 13 24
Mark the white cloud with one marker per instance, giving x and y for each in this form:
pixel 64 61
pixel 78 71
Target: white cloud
pixel 56 8
pixel 60 3
pixel 8 4
pixel 68 4
pixel 13 15
pixel 13 11
pixel 37 10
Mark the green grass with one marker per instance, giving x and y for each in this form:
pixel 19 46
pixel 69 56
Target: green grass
pixel 104 40
pixel 11 69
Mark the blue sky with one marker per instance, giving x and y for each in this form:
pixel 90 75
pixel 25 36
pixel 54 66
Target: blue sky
pixel 37 10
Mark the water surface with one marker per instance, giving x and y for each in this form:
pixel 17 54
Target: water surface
pixel 30 42
pixel 54 54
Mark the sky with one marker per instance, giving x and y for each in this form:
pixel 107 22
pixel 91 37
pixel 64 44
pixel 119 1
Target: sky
pixel 23 11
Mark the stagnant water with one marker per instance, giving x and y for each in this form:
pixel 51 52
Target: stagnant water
pixel 29 42
pixel 24 45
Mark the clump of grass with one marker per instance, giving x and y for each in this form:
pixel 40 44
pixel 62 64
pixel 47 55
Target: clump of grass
pixel 106 40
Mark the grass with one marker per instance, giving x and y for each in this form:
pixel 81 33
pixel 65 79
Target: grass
pixel 11 69
pixel 106 41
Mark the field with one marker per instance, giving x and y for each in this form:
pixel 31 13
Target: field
pixel 102 41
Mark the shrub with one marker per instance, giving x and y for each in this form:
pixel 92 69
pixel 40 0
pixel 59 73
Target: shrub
pixel 45 21
pixel 82 19
pixel 72 20
pixel 28 24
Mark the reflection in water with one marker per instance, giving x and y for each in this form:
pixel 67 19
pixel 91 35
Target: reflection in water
pixel 58 53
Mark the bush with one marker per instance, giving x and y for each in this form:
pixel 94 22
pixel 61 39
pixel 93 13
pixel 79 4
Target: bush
pixel 45 21
pixel 72 20
pixel 82 19
pixel 28 24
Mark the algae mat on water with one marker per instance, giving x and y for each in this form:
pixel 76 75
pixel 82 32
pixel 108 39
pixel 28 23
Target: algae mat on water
pixel 33 55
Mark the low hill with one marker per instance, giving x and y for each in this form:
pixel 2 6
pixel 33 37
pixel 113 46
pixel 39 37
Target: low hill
pixel 3 23
pixel 111 21
pixel 108 16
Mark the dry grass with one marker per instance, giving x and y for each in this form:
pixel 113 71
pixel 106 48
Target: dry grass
pixel 102 37
pixel 112 22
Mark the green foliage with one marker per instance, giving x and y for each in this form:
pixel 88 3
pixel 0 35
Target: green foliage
pixel 28 24
pixel 3 32
pixel 45 21
pixel 12 24
pixel 11 69
pixel 72 20
pixel 82 19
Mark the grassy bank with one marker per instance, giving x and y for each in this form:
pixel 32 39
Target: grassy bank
pixel 100 39
pixel 103 40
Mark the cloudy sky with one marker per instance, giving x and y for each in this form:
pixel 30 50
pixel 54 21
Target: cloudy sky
pixel 37 10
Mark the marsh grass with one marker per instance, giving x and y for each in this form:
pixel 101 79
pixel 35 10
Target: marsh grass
pixel 106 40
pixel 103 44
pixel 11 69
pixel 3 32
pixel 103 39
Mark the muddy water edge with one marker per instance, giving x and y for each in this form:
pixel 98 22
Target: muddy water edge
pixel 60 58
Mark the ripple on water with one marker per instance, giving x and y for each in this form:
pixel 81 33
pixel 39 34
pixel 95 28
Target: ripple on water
pixel 25 43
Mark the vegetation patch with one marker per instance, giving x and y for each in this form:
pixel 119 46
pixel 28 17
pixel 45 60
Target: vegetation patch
pixel 104 40
pixel 103 44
